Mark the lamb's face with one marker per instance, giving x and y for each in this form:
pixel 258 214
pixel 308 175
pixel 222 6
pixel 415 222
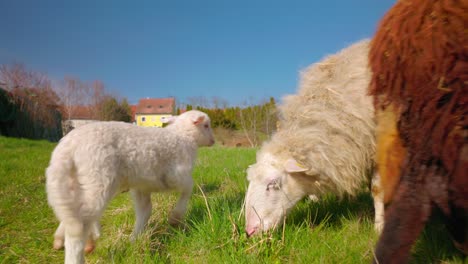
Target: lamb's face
pixel 272 192
pixel 195 124
pixel 204 135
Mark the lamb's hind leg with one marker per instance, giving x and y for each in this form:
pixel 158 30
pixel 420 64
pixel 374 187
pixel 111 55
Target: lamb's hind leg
pixel 177 214
pixel 59 237
pixel 76 233
pixel 142 203
pixel 94 234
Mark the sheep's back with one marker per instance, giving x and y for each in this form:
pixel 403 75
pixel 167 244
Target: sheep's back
pixel 129 148
pixel 329 124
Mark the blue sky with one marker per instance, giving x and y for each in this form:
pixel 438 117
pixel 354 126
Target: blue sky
pixel 240 50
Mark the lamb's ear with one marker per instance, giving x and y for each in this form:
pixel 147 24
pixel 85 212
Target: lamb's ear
pixel 291 165
pixel 198 119
pixel 168 119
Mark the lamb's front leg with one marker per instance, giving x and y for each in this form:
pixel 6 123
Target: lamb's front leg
pixel 142 203
pixel 177 214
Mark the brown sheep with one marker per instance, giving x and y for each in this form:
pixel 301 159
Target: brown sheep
pixel 419 60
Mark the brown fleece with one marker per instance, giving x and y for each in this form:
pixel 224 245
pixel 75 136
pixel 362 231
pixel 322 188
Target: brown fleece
pixel 419 60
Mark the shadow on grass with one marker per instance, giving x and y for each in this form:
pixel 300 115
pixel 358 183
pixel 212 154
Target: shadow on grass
pixel 433 246
pixel 435 243
pixel 208 187
pixel 330 210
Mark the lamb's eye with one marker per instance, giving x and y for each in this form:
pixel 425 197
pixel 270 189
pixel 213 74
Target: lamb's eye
pixel 207 126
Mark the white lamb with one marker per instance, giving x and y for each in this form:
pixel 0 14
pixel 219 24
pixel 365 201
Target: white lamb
pixel 95 162
pixel 325 142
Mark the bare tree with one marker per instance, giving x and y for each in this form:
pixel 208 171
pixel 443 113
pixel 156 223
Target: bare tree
pixel 96 96
pixel 258 118
pixel 17 76
pixel 72 93
pixel 219 103
pixel 180 106
pixel 24 83
pixel 249 121
pixel 76 94
pixel 200 101
pixel 248 127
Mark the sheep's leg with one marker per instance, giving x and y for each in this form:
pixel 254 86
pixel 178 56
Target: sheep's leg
pixel 142 201
pixel 404 220
pixel 59 237
pixel 177 214
pixel 95 233
pixel 379 207
pixel 76 233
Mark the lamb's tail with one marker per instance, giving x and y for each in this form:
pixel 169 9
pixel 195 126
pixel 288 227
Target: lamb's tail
pixel 63 194
pixel 62 186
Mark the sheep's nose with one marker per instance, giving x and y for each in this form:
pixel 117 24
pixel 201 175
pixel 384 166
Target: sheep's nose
pixel 250 231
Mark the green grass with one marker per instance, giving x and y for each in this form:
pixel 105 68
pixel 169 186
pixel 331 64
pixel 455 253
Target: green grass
pixel 330 231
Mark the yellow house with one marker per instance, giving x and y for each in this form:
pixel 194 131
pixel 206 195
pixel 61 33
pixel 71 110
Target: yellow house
pixel 149 111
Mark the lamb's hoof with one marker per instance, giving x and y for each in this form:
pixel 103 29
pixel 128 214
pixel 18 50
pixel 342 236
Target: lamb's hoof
pixel 177 222
pixel 89 247
pixel 134 237
pixel 58 243
pixel 179 225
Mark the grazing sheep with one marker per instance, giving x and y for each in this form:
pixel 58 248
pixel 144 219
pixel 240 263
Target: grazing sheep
pixel 325 142
pixel 419 60
pixel 95 162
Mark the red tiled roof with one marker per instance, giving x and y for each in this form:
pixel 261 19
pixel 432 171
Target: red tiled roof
pixel 133 109
pixel 156 106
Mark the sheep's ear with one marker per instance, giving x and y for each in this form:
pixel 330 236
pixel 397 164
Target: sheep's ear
pixel 291 165
pixel 198 119
pixel 168 119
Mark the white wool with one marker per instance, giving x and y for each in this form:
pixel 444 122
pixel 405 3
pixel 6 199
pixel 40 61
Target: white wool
pixel 95 162
pixel 325 141
pixel 328 126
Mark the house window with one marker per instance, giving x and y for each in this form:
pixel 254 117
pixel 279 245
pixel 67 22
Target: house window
pixel 143 119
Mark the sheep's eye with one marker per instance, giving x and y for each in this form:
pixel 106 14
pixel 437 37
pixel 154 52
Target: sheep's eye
pixel 207 126
pixel 273 185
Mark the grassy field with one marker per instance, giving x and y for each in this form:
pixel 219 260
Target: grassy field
pixel 330 231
